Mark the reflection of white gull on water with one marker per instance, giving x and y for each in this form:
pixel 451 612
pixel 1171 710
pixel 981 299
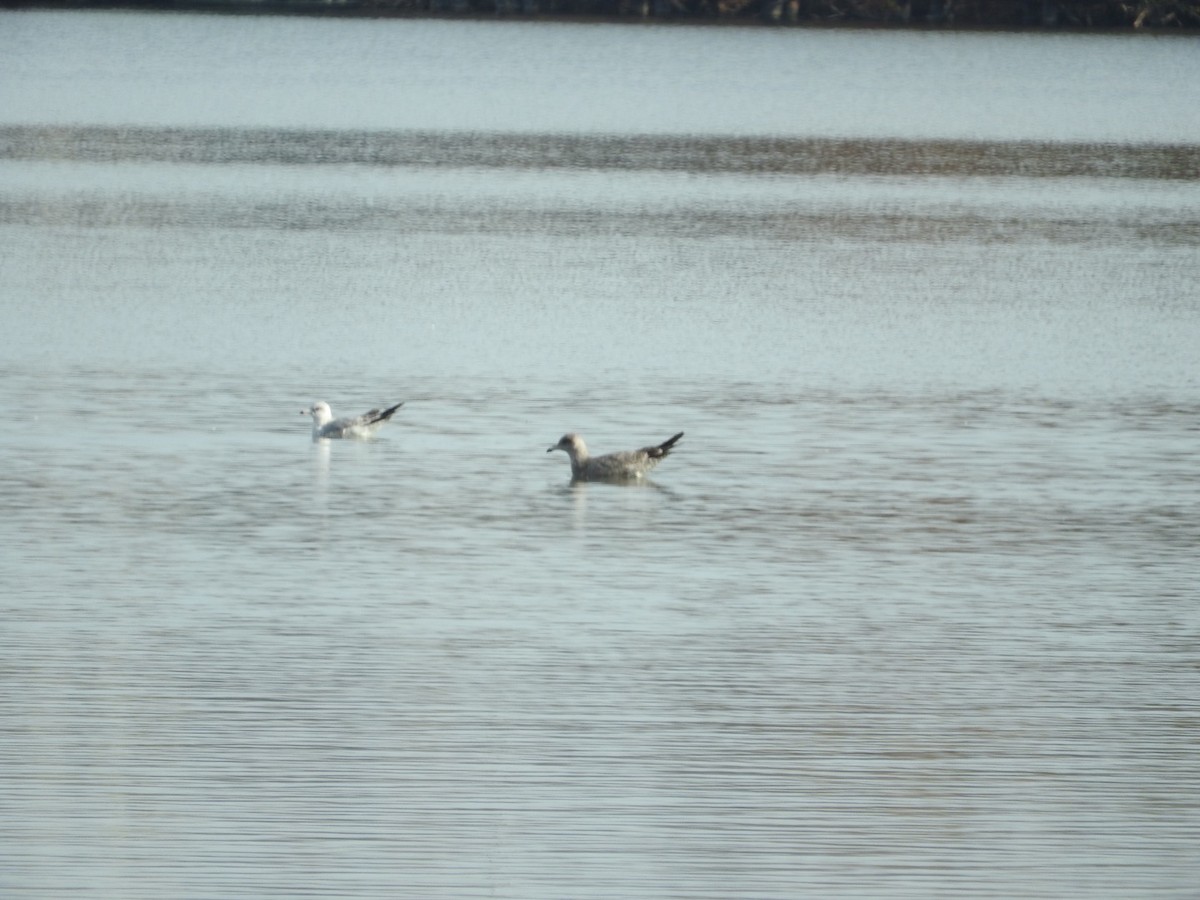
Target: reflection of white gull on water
pixel 364 426
pixel 625 465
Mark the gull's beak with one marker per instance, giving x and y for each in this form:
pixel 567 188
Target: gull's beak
pixel 552 449
pixel 304 412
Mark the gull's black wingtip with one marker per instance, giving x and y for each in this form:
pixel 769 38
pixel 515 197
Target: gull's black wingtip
pixel 664 448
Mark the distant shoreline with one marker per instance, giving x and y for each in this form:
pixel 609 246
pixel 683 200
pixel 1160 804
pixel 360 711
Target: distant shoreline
pixel 1159 17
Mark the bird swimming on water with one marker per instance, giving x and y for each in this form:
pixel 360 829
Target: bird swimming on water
pixel 361 427
pixel 624 465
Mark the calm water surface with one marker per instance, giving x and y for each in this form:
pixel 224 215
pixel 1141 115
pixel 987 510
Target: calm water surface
pixel 911 611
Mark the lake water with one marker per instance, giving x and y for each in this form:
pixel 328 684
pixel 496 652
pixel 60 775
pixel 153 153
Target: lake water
pixel 911 611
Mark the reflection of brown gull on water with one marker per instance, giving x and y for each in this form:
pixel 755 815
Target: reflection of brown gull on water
pixel 625 465
pixel 364 426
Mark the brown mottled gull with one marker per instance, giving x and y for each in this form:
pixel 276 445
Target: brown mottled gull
pixel 625 465
pixel 364 426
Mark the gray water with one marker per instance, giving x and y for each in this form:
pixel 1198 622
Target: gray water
pixel 910 611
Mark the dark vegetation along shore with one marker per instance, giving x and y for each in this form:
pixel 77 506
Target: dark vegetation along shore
pixel 1066 14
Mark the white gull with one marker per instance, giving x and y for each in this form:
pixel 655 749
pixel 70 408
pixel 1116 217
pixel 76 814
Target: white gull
pixel 364 426
pixel 624 465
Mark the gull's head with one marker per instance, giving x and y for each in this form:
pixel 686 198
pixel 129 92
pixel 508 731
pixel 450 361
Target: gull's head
pixel 320 412
pixel 571 443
